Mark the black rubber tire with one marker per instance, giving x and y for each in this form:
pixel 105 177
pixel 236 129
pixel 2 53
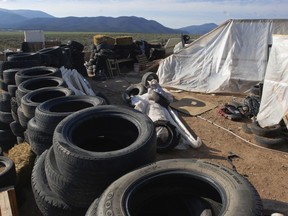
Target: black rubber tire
pixel 16 128
pixel 47 201
pixel 20 139
pixel 148 77
pixel 9 76
pixel 108 138
pixel 39 82
pixel 255 90
pixel 23 120
pixel 25 56
pixel 49 113
pixel 6 117
pixel 247 128
pixel 12 90
pixel 1 151
pixel 13 104
pixel 3 85
pixel 273 143
pixel 78 195
pixel 5 104
pixel 133 90
pixel 31 100
pixel 4 126
pixel 8 174
pixel 15 116
pixel 34 72
pixel 270 132
pixel 37 138
pixel 51 56
pixel 172 136
pixel 4 65
pixel 75 45
pixel 159 189
pixel 7 139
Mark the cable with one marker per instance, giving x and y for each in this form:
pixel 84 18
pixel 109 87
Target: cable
pixel 245 140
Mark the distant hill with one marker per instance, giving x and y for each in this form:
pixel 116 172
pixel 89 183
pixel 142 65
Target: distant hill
pixel 29 14
pixel 96 24
pixel 199 29
pixel 31 20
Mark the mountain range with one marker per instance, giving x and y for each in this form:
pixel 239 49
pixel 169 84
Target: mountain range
pixel 32 19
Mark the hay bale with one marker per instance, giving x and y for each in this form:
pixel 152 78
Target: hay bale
pixel 124 40
pixel 98 39
pixel 24 158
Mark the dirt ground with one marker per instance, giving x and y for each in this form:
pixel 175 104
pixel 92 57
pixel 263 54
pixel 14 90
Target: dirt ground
pixel 266 169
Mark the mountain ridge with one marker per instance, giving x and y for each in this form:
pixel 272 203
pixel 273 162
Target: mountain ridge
pixel 29 20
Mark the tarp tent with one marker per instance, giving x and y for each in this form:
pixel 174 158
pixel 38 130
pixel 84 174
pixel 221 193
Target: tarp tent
pixel 229 59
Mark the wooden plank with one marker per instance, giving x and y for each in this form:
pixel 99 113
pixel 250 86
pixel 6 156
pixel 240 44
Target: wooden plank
pixel 8 203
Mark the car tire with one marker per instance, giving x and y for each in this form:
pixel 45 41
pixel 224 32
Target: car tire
pixel 161 188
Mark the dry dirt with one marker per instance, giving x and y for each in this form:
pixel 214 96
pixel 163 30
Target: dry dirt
pixel 266 169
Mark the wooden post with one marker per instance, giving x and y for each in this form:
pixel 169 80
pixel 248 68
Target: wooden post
pixel 8 203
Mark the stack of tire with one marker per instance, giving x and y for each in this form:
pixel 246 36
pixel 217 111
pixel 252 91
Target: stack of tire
pixel 8 69
pixel 91 148
pixel 69 55
pixel 274 137
pixel 24 102
pixel 48 114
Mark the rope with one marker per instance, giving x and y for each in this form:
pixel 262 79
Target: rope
pixel 243 139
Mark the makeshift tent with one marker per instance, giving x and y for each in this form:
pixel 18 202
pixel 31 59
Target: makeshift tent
pixel 229 59
pixel 274 102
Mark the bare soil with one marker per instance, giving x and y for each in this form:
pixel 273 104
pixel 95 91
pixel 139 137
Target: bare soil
pixel 266 169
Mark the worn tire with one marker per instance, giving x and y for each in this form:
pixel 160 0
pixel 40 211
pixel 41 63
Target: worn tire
pixel 247 128
pixel 3 85
pixel 5 104
pixel 7 139
pixel 273 143
pixel 265 132
pixel 9 76
pixel 6 117
pixel 51 56
pixel 78 195
pixel 133 90
pixel 12 90
pixel 108 139
pixel 49 113
pixel 23 120
pixel 161 188
pixel 170 139
pixel 34 72
pixel 38 139
pixel 47 201
pixel 76 45
pixel 16 128
pixel 39 82
pixel 148 77
pixel 8 174
pixel 25 56
pixel 31 100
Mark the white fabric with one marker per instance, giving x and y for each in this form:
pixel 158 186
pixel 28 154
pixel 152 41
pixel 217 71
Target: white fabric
pixel 76 82
pixel 274 102
pixel 230 59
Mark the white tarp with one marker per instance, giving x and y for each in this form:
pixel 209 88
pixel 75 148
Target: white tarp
pixel 231 58
pixel 274 102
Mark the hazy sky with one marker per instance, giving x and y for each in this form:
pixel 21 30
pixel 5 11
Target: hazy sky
pixel 170 13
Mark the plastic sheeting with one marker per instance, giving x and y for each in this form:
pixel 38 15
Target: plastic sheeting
pixel 274 102
pixel 76 82
pixel 230 59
